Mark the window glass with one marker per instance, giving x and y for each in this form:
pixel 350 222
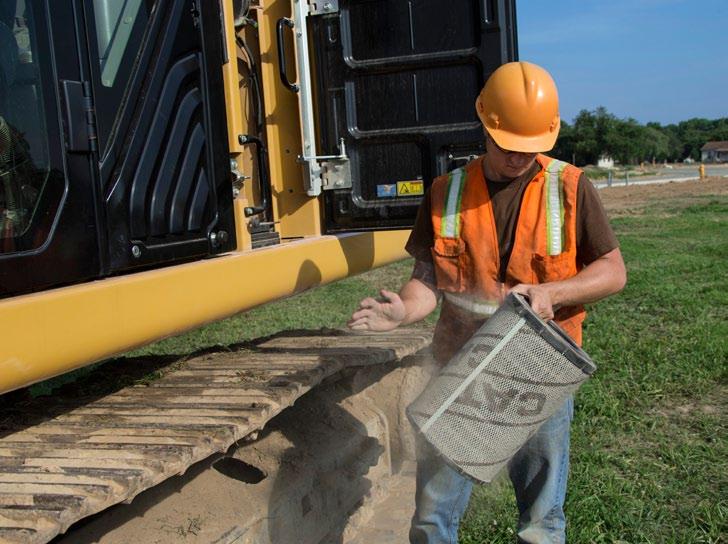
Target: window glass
pixel 115 22
pixel 24 159
pixel 120 27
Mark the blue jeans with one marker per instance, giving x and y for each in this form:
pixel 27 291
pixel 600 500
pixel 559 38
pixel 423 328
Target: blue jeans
pixel 538 472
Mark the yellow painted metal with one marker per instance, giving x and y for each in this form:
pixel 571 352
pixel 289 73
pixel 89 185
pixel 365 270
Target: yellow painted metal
pixel 235 122
pixel 49 333
pixel 298 213
pixel 233 104
pixel 242 234
pixel 249 193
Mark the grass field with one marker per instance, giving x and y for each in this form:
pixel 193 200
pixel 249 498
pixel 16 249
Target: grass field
pixel 650 450
pixel 649 447
pixel 649 443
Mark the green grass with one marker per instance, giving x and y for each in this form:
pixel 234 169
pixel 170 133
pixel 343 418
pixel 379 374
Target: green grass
pixel 649 444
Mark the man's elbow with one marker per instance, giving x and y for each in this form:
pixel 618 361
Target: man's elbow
pixel 618 272
pixel 620 280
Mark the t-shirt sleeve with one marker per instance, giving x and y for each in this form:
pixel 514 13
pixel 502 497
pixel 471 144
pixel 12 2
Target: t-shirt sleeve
pixel 594 234
pixel 425 273
pixel 420 242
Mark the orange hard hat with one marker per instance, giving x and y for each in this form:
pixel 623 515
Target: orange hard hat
pixel 519 107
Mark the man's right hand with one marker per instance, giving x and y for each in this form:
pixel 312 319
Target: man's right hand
pixel 378 315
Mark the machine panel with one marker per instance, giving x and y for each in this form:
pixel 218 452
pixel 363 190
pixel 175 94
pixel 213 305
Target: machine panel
pixel 398 81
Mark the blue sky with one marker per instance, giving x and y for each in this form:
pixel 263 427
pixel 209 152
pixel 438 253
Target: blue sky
pixel 654 60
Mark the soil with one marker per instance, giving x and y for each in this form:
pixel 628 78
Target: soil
pixel 633 198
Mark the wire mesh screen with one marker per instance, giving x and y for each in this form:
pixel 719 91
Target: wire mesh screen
pixel 510 377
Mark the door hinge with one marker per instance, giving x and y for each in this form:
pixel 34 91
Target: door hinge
pixel 90 114
pixel 80 116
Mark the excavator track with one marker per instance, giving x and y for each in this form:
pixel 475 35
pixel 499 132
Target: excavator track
pixel 65 458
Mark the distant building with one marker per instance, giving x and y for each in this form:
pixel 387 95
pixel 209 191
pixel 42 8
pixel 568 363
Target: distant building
pixel 714 152
pixel 605 161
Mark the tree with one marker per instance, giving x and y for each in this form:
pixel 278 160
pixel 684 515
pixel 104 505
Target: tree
pixel 627 141
pixel 657 143
pixel 598 132
pixel 564 148
pixel 586 146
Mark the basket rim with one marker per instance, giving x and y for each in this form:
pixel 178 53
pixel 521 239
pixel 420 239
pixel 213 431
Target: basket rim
pixel 552 334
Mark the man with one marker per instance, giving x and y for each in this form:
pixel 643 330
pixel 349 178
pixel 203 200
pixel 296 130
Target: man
pixel 512 219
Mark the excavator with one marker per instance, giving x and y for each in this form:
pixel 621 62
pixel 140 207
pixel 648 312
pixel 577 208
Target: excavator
pixel 169 163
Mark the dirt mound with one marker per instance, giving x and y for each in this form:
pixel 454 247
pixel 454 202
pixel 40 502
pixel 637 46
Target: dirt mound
pixel 623 200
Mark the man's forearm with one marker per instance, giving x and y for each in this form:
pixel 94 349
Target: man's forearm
pixel 419 300
pixel 601 278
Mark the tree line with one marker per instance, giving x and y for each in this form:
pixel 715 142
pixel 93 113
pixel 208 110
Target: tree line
pixel 599 133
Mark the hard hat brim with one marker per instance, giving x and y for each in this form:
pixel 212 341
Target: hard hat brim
pixel 524 144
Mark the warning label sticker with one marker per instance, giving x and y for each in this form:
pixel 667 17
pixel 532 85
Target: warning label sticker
pixel 410 188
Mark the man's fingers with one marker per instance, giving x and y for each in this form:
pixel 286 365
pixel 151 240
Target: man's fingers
pixel 359 326
pixel 539 300
pixel 376 315
pixel 389 295
pixel 368 302
pixel 544 312
pixel 358 318
pixel 362 314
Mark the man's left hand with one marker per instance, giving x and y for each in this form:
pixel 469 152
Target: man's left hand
pixel 539 295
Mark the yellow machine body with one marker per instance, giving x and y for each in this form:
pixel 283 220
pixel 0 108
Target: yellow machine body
pixel 48 333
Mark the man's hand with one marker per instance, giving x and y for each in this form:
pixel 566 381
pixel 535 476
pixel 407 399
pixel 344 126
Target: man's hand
pixel 415 301
pixel 601 278
pixel 379 315
pixel 540 298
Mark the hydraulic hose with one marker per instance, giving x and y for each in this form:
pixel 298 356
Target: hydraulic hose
pixel 258 103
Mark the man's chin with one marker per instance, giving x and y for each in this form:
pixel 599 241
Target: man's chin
pixel 516 172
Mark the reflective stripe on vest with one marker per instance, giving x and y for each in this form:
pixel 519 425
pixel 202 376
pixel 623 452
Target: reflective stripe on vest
pixel 450 227
pixel 480 308
pixel 554 207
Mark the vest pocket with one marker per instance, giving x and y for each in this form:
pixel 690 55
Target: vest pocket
pixel 448 256
pixel 548 268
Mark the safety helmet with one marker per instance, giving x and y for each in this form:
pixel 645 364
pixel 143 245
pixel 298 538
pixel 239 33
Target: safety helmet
pixel 519 107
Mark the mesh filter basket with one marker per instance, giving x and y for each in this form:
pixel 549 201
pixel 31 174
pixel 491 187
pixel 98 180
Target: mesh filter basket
pixel 511 376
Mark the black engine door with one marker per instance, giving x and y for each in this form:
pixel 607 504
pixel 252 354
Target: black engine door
pixel 161 126
pixel 398 81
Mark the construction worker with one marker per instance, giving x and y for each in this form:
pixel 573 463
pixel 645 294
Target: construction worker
pixel 510 220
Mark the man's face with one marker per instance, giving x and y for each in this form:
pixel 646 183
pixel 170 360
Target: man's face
pixel 507 164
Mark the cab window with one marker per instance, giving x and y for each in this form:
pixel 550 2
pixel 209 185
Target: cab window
pixel 24 159
pixel 119 28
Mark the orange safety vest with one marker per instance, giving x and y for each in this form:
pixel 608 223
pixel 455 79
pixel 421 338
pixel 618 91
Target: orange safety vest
pixel 465 250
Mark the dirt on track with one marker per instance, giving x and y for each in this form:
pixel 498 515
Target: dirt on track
pixel 634 198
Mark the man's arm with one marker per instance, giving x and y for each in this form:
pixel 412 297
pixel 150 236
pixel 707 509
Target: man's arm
pixel 416 300
pixel 603 277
